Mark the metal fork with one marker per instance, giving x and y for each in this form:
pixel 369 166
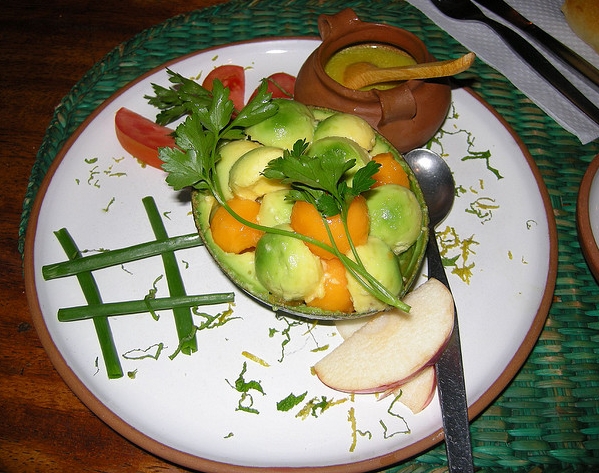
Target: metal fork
pixel 560 50
pixel 466 10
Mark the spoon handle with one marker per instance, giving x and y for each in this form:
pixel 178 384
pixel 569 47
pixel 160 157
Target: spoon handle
pixel 450 381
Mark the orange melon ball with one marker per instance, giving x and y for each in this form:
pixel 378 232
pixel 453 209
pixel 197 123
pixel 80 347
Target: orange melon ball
pixel 336 296
pixel 231 235
pixel 307 220
pixel 390 171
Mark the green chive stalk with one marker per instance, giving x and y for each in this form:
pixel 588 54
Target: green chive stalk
pixel 101 310
pixel 92 296
pixel 183 316
pixel 119 256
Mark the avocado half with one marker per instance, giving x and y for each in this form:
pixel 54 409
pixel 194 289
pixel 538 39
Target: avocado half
pixel 239 268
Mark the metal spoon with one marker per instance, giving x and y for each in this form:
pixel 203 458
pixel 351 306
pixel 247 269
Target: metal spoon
pixel 438 187
pixel 362 74
pixel 466 10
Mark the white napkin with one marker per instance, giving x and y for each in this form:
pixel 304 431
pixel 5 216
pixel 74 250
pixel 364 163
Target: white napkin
pixel 490 48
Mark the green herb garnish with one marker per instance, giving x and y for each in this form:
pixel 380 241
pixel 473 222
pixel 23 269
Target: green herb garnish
pixel 98 311
pixel 244 387
pixel 92 296
pixel 182 315
pixel 113 309
pixel 198 137
pixel 110 258
pixel 318 180
pixel 175 101
pixel 290 402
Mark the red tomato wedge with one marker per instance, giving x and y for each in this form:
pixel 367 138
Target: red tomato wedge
pixel 142 137
pixel 281 85
pixel 232 77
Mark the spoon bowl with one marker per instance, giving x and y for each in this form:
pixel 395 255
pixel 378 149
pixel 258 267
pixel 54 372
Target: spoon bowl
pixel 363 74
pixel 436 182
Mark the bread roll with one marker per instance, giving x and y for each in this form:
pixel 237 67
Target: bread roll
pixel 583 18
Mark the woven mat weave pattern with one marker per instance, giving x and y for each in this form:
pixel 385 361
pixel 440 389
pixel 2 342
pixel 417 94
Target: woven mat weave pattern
pixel 547 420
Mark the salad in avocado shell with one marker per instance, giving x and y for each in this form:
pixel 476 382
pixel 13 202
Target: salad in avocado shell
pixel 272 250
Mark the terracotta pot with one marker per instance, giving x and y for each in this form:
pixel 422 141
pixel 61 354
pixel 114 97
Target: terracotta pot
pixel 408 115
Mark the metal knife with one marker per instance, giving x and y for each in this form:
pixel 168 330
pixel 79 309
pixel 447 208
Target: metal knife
pixel 450 382
pixel 560 50
pixel 528 53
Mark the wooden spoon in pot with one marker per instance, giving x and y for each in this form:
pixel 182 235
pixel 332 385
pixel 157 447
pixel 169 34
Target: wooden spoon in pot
pixel 362 74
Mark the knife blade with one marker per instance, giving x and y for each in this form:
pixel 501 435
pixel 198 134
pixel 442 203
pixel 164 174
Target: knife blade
pixel 450 382
pixel 559 49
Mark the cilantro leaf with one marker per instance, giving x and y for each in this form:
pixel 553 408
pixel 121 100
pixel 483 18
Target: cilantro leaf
pixel 259 108
pixel 178 100
pixel 186 168
pixel 301 170
pixel 217 114
pixel 320 180
pixel 316 179
pixel 210 120
pixel 363 180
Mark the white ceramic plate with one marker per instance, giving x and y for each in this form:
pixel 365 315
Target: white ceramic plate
pixel 587 216
pixel 500 236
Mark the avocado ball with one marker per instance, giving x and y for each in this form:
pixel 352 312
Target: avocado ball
pixel 382 264
pixel 246 179
pixel 395 216
pixel 321 113
pixel 381 146
pixel 347 126
pixel 292 122
pixel 239 267
pixel 229 153
pixel 286 267
pixel 342 147
pixel 275 209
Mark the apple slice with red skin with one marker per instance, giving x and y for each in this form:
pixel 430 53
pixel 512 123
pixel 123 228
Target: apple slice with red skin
pixel 394 346
pixel 418 392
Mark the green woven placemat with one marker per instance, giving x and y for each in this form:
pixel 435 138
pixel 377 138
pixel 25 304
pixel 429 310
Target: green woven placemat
pixel 548 417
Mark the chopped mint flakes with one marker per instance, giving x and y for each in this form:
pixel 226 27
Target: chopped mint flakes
pixel 246 401
pixel 152 351
pixel 290 402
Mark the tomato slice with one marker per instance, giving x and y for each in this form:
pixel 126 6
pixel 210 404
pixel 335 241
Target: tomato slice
pixel 281 85
pixel 232 77
pixel 142 137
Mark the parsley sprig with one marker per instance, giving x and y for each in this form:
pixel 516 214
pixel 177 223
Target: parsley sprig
pixel 319 180
pixel 193 163
pixel 176 101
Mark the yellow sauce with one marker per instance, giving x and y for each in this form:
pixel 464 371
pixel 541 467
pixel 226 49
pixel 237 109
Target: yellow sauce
pixel 380 55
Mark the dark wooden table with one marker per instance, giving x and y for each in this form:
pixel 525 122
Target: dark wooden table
pixel 45 48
